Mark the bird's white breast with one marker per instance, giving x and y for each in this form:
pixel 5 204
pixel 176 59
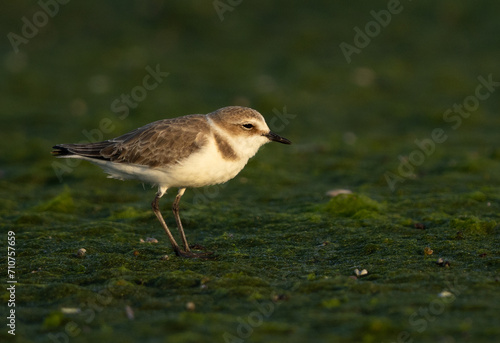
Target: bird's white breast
pixel 205 167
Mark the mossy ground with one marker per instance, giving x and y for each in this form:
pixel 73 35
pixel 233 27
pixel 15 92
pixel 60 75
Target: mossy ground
pixel 286 253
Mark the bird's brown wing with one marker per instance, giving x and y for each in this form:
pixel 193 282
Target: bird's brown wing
pixel 161 143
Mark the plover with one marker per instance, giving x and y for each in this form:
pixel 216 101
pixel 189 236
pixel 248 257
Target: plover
pixel 191 151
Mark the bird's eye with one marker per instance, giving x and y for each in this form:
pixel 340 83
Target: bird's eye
pixel 248 126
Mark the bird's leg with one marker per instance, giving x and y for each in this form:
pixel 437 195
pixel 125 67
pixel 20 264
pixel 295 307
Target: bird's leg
pixel 187 251
pixel 157 212
pixel 175 210
pixel 175 207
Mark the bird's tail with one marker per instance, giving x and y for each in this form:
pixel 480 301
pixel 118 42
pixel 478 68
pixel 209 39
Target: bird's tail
pixel 90 150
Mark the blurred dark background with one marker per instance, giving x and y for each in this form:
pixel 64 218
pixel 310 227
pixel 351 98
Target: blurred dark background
pixel 349 122
pixel 262 54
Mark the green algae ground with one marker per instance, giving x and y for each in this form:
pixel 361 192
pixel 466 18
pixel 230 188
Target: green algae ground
pixel 285 252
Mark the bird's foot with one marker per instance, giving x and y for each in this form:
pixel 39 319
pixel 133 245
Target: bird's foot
pixel 197 247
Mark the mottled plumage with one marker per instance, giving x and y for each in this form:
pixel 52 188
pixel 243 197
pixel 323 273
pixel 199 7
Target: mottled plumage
pixel 190 151
pixel 160 143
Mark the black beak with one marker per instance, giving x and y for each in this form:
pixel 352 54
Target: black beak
pixel 275 138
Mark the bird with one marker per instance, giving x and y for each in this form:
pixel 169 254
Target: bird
pixel 185 152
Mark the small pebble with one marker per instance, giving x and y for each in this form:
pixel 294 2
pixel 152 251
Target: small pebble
pixel 70 310
pixel 349 138
pixel 81 252
pixel 419 226
pixel 280 297
pixel 442 263
pixel 360 273
pixel 335 192
pixel 445 294
pixel 129 312
pixel 165 258
pixel 151 240
pixel 190 306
